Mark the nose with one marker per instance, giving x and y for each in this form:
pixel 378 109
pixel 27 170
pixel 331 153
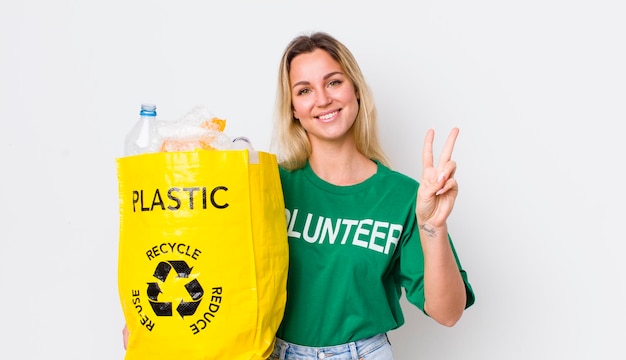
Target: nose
pixel 323 99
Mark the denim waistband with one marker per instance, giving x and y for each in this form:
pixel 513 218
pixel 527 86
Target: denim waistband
pixel 351 350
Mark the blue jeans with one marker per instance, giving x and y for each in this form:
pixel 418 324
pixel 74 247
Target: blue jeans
pixel 374 348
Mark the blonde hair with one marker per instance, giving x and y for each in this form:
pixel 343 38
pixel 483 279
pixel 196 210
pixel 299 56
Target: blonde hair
pixel 290 139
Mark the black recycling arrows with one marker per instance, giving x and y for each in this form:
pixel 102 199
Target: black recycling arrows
pixel 194 289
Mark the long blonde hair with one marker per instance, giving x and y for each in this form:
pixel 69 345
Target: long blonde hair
pixel 290 139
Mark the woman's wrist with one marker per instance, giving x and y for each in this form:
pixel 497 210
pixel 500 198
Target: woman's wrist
pixel 432 231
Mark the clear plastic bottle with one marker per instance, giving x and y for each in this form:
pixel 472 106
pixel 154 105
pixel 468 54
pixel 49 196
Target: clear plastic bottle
pixel 144 136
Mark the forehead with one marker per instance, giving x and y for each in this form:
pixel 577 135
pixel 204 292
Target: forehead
pixel 313 66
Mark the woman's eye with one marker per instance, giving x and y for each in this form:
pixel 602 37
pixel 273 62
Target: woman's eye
pixel 303 91
pixel 333 83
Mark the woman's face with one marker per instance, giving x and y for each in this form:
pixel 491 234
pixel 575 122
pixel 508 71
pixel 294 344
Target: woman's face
pixel 323 97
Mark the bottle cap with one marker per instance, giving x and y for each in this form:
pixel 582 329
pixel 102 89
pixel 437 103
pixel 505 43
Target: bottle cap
pixel 148 109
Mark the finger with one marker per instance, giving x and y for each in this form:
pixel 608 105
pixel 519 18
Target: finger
pixel 446 154
pixel 448 185
pixel 447 170
pixel 427 152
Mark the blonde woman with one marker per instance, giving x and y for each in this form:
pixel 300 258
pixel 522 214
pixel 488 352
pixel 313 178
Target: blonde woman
pixel 358 231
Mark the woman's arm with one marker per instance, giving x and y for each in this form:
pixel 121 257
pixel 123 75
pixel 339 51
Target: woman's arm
pixel 444 289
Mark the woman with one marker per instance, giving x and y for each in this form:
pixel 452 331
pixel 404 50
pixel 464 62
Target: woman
pixel 358 231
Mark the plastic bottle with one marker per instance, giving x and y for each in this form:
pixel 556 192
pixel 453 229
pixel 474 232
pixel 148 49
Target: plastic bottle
pixel 144 136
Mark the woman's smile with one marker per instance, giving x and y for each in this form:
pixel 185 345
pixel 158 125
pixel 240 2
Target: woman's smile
pixel 328 117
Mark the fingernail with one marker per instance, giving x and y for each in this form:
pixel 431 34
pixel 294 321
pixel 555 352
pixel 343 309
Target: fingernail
pixel 440 178
pixel 439 192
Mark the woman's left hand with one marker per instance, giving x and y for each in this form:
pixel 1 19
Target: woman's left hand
pixel 438 188
pixel 125 335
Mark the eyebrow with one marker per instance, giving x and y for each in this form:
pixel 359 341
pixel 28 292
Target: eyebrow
pixel 331 74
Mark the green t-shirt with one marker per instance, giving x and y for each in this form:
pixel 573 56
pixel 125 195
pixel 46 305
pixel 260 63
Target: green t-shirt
pixel 351 250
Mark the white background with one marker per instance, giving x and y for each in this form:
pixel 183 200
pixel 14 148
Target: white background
pixel 537 88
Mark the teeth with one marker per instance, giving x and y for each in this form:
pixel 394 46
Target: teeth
pixel 327 116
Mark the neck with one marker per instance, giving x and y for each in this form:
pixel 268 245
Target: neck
pixel 341 166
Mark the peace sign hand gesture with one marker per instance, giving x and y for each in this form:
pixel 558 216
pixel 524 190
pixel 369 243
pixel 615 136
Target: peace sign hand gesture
pixel 438 188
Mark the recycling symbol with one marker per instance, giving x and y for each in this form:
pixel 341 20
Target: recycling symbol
pixel 182 270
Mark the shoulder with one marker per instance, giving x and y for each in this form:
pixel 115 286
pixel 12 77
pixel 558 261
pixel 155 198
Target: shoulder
pixel 285 172
pixel 396 178
pixel 282 170
pixel 287 175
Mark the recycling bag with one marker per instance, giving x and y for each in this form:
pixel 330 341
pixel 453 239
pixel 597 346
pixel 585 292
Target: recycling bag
pixel 203 254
